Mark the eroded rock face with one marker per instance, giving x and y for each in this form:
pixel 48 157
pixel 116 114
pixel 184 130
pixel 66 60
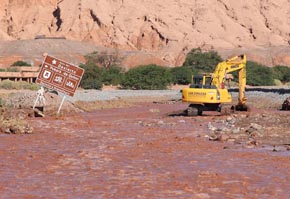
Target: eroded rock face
pixel 168 29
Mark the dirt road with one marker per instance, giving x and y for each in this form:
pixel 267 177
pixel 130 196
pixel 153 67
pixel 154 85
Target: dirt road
pixel 141 152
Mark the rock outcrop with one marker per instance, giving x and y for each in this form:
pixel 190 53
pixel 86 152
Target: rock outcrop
pixel 168 29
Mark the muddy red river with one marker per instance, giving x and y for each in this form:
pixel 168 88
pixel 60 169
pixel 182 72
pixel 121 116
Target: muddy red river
pixel 136 152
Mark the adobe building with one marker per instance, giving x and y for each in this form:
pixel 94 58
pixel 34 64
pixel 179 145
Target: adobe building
pixel 24 73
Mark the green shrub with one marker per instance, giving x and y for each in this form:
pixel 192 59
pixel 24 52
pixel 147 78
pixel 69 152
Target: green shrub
pixel 200 61
pixel 259 75
pixel 281 73
pixel 9 85
pixel 6 84
pixel 90 83
pixel 20 63
pixel 149 77
pixel 112 75
pixel 92 78
pixel 27 86
pixel 2 69
pixel 181 75
pixel 12 69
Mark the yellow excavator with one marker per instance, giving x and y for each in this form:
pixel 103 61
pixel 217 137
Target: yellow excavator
pixel 209 93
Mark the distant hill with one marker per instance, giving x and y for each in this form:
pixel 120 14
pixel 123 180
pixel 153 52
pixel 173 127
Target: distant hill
pixel 163 31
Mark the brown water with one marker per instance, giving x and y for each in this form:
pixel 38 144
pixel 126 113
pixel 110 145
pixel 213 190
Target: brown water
pixel 136 152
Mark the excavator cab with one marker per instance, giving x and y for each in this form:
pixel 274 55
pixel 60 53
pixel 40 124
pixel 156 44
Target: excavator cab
pixel 201 81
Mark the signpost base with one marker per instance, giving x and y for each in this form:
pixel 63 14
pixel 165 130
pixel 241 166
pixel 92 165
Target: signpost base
pixel 38 111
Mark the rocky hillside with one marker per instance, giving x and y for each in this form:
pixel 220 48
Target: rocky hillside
pixel 168 29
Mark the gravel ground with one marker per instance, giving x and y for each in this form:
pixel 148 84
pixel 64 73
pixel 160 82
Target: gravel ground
pixel 257 98
pixel 94 95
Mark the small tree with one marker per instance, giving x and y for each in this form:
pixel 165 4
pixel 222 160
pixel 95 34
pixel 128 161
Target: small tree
pixel 149 77
pixel 112 75
pixel 259 75
pixel 181 75
pixel 92 78
pixel 90 83
pixel 200 61
pixel 105 59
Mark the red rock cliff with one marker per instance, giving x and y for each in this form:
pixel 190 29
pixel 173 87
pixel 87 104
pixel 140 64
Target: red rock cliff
pixel 169 29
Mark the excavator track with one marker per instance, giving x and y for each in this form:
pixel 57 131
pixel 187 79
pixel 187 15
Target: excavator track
pixel 194 110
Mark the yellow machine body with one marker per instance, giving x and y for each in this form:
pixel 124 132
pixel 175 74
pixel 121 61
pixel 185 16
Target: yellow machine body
pixel 208 91
pixel 206 95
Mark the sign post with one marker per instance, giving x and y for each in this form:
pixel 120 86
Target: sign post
pixel 60 76
pixel 63 98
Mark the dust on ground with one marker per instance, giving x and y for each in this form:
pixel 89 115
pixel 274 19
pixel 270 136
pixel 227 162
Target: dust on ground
pixel 131 148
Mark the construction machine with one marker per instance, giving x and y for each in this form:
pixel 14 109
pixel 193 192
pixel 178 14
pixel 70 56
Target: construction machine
pixel 208 91
pixel 286 104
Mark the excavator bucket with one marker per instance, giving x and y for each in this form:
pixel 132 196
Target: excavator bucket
pixel 241 107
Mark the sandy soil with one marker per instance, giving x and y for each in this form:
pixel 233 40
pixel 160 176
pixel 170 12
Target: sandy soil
pixel 134 149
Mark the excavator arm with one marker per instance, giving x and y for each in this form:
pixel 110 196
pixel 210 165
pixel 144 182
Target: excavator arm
pixel 237 63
